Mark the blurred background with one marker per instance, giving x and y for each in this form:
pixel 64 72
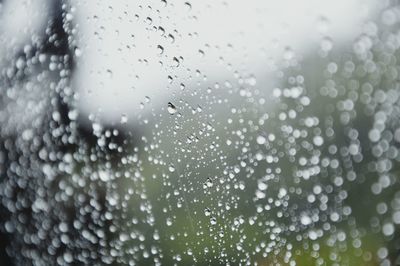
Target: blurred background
pixel 199 133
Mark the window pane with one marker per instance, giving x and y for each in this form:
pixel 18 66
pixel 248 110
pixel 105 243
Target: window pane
pixel 199 132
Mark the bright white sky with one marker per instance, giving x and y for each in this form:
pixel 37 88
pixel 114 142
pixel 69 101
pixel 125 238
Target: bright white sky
pixel 112 73
pixel 257 28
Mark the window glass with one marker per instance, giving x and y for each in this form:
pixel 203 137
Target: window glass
pixel 160 132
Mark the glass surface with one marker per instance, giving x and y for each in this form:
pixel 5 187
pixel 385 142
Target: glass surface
pixel 199 132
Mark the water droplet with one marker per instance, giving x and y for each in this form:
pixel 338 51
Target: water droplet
pixel 171 108
pixel 260 194
pixel 188 5
pixel 201 52
pixel 213 221
pixel 261 140
pixel 176 62
pixel 124 119
pixel 209 182
pixel 318 140
pixel 77 52
pixel 161 30
pixel 149 21
pixel 109 73
pixel 374 135
pixel 160 49
pixel 305 220
pixel 171 38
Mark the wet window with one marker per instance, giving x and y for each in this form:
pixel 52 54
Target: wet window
pixel 160 132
